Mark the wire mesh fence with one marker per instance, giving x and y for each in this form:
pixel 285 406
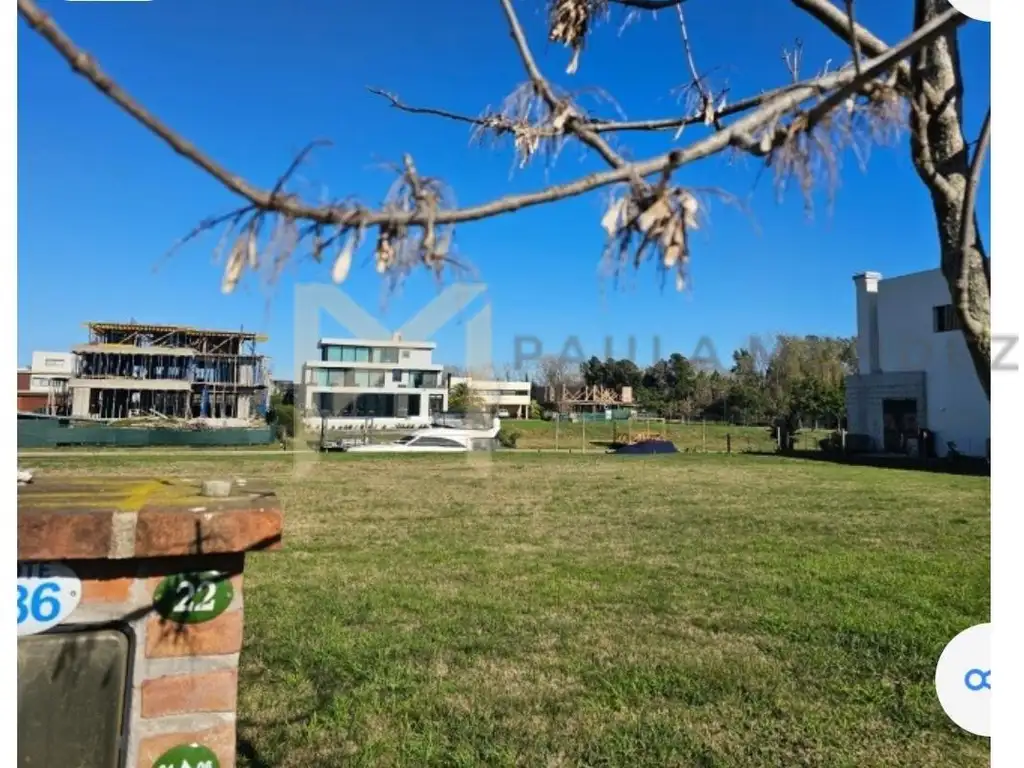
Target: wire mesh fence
pixel 49 433
pixel 692 437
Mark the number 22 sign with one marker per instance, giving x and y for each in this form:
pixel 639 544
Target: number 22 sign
pixel 192 598
pixel 47 594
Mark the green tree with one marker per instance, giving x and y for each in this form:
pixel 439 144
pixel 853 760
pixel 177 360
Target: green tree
pixel 462 399
pixel 281 415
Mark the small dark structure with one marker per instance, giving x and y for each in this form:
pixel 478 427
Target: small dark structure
pixel 645 447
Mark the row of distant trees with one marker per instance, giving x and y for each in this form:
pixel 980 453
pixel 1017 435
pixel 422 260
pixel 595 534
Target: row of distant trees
pixel 799 380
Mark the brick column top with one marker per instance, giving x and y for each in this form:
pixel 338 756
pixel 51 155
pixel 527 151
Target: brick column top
pixel 120 518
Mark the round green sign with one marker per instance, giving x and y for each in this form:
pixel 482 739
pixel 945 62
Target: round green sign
pixel 187 756
pixel 192 598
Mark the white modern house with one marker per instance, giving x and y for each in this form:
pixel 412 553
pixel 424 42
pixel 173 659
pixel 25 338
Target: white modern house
pixel 51 371
pixel 914 370
pixel 372 382
pixel 508 399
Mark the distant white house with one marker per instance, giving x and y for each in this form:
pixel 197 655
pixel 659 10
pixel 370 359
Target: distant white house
pixel 51 371
pixel 508 399
pixel 914 370
pixel 362 381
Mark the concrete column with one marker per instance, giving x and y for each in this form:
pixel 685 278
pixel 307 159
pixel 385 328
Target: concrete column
pixel 867 322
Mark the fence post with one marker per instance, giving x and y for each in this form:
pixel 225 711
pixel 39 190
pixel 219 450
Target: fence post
pixel 728 443
pixel 704 434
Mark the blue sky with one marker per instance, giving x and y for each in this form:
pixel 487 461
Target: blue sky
pixel 100 199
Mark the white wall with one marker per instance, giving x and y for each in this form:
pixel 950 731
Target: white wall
pixel 53 363
pixel 513 393
pixel 957 409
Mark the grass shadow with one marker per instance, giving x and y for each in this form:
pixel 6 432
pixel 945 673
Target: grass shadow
pixel 970 466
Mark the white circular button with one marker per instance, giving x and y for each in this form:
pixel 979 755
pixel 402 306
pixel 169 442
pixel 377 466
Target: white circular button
pixel 963 680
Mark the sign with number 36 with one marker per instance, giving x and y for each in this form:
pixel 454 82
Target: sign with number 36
pixel 47 594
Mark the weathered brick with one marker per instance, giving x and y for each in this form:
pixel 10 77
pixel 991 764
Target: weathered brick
pixel 179 532
pixel 112 590
pixel 181 694
pixel 166 638
pixel 55 535
pixel 220 739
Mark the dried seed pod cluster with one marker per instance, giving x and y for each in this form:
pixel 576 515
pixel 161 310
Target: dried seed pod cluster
pixel 644 218
pixel 569 21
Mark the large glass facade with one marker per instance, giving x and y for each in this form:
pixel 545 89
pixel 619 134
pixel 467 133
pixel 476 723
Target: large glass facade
pixel 367 405
pixel 345 354
pixel 372 379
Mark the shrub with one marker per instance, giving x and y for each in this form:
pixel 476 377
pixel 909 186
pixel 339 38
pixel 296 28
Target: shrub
pixel 507 438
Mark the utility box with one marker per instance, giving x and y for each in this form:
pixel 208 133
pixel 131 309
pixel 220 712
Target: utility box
pixel 130 620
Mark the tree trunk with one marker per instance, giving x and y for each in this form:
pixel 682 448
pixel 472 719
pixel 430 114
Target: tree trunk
pixel 942 159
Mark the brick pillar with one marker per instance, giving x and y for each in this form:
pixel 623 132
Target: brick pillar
pixel 129 540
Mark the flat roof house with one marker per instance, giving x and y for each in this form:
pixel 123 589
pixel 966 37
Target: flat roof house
pixel 914 370
pixel 511 398
pixel 359 380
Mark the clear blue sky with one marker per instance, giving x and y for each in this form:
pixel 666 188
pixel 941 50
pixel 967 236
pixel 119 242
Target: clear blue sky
pixel 100 199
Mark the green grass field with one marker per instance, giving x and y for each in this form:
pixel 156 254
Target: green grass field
pixel 555 610
pixel 594 436
pixel 692 437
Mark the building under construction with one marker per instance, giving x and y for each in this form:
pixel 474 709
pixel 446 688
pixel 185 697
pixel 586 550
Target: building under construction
pixel 132 370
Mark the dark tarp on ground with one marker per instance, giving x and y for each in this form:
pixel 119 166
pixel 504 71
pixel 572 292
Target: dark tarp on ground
pixel 648 446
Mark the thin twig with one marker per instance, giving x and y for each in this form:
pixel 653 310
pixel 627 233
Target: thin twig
pixel 698 82
pixel 923 35
pixel 843 27
pixel 555 105
pixel 854 41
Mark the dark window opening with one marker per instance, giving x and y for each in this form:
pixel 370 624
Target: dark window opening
pixel 945 319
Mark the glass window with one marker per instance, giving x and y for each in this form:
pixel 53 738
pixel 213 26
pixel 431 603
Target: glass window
pixel 385 355
pixel 362 354
pixel 396 375
pixel 348 354
pixel 334 354
pixel 321 377
pixel 336 378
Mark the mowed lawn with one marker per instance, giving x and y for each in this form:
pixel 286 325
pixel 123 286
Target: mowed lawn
pixel 555 610
pixel 693 437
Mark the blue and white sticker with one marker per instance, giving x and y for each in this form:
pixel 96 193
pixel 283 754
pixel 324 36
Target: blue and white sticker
pixel 47 594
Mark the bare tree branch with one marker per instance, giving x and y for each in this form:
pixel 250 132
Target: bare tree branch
pixel 841 25
pixel 771 108
pixel 854 42
pixel 563 112
pixel 968 227
pixel 657 215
